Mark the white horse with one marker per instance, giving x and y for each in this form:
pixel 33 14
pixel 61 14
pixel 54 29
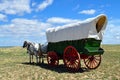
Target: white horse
pixel 33 49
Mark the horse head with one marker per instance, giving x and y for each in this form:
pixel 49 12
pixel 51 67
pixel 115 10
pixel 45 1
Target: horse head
pixel 25 44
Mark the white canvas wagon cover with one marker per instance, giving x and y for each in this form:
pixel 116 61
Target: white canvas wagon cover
pixel 89 28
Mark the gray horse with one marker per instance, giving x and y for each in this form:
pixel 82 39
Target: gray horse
pixel 33 49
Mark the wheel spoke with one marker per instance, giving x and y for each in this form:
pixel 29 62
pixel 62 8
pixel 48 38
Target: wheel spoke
pixel 90 64
pixel 97 58
pixel 95 61
pixel 93 64
pixel 86 60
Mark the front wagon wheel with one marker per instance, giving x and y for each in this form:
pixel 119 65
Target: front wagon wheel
pixel 92 62
pixel 52 58
pixel 71 58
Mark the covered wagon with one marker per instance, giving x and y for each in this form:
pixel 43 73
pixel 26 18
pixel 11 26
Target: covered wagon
pixel 77 41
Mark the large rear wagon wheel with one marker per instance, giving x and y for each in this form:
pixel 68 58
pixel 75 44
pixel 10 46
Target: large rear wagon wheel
pixel 52 58
pixel 71 58
pixel 92 62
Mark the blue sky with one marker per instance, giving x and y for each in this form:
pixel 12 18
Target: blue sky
pixel 28 19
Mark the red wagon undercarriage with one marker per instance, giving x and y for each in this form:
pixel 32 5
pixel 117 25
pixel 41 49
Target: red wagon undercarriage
pixel 72 58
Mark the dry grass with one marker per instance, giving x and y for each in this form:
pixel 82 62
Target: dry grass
pixel 14 66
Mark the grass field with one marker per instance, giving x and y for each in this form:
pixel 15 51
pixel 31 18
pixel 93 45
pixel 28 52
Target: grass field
pixel 14 66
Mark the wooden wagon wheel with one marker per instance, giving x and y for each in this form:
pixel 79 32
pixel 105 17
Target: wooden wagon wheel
pixel 92 62
pixel 52 58
pixel 71 58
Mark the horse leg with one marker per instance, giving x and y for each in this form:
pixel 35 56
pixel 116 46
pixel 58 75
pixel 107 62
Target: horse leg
pixel 32 59
pixel 39 55
pixel 42 59
pixel 36 59
pixel 29 58
pixel 39 59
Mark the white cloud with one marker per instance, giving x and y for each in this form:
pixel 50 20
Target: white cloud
pixel 91 11
pixel 3 17
pixel 15 6
pixel 112 33
pixel 44 4
pixel 61 20
pixel 34 3
pixel 22 28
